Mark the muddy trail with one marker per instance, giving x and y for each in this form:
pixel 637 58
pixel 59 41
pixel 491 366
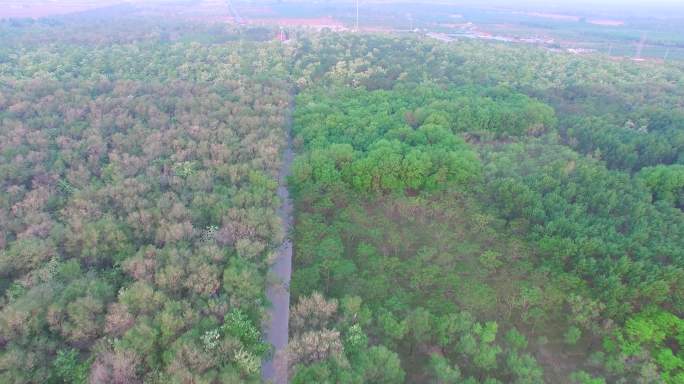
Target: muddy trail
pixel 276 328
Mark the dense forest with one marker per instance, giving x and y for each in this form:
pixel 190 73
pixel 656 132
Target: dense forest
pixel 464 213
pixel 138 209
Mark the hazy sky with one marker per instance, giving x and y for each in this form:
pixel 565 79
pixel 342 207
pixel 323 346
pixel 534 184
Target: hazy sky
pixel 512 3
pixel 643 3
pixel 661 8
pixel 668 8
pixel 583 3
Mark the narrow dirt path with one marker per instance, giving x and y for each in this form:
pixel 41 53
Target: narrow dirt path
pixel 278 293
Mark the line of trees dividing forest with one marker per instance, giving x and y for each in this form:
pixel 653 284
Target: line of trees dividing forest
pixel 464 213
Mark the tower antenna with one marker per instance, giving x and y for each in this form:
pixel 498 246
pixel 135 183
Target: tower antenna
pixel 357 15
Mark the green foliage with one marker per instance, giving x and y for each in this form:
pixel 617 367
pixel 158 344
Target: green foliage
pixel 647 139
pixel 490 260
pixel 572 335
pixel 442 372
pixel 382 366
pixel 524 368
pixel 649 336
pixel 69 369
pixel 438 187
pixel 315 373
pixel 238 325
pixel 184 169
pixel 582 377
pixel 137 200
pixel 516 340
pixel 666 183
pixel 328 372
pixel 372 144
pixel 590 221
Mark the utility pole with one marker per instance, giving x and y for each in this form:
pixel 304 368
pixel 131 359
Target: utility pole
pixel 667 53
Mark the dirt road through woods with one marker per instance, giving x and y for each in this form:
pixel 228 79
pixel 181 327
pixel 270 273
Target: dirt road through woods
pixel 278 293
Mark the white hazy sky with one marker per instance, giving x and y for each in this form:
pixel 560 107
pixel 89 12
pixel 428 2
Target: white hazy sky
pixel 586 5
pixel 643 3
pixel 582 3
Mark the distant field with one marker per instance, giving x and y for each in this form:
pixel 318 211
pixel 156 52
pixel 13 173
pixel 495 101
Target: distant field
pixel 609 33
pixel 614 33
